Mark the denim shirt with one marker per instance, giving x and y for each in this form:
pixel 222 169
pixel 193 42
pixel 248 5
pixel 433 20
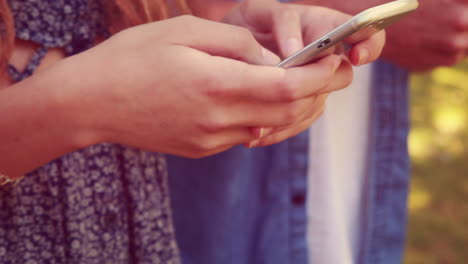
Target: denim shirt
pixel 248 205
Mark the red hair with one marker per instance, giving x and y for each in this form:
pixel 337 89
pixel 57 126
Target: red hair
pixel 7 35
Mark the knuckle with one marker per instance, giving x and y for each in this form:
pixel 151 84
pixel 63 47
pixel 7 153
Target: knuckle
pixel 200 145
pixel 245 33
pixel 291 113
pixel 205 144
pixel 193 149
pixel 187 19
pixel 211 85
pixel 286 91
pixel 186 24
pixel 213 123
pixel 245 38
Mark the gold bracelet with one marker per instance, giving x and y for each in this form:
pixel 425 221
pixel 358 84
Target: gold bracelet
pixel 4 179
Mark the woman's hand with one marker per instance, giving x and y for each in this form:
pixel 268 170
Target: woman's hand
pixel 189 87
pixel 286 28
pixel 184 86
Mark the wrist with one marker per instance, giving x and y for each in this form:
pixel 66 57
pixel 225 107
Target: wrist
pixel 74 103
pixel 44 119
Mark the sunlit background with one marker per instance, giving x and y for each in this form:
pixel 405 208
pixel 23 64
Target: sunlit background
pixel 438 224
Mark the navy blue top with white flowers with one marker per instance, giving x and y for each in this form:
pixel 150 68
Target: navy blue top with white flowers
pixel 103 204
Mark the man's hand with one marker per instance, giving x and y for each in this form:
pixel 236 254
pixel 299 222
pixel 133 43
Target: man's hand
pixel 435 35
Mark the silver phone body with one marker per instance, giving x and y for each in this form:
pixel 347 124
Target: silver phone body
pixel 371 20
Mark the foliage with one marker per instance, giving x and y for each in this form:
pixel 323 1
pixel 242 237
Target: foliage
pixel 438 224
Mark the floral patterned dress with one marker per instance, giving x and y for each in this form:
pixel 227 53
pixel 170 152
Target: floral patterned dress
pixel 103 204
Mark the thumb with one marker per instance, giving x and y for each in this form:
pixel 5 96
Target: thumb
pixel 223 40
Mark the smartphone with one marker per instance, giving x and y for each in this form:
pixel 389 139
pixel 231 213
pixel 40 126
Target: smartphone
pixel 361 27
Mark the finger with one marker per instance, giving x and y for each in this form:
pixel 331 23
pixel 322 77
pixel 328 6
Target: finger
pixel 342 78
pixel 368 50
pixel 253 114
pixel 231 41
pixel 314 108
pixel 214 151
pixel 262 18
pixel 287 29
pixel 211 143
pixel 318 21
pixel 305 84
pixel 271 84
pixel 372 41
pixel 284 134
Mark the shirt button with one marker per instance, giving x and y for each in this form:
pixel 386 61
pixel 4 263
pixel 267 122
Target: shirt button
pixel 298 199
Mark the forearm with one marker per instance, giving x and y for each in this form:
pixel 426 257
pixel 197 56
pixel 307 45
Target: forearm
pixel 40 120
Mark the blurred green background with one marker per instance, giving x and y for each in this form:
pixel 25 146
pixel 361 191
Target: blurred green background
pixel 438 223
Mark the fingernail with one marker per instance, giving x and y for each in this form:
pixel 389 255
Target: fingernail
pixel 257 132
pixel 253 143
pixel 267 131
pixel 269 58
pixel 261 132
pixel 292 45
pixel 363 56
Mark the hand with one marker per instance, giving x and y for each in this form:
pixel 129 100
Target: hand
pixel 436 34
pixel 188 87
pixel 284 28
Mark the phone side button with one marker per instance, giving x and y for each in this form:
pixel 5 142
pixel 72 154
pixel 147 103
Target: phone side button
pixel 324 42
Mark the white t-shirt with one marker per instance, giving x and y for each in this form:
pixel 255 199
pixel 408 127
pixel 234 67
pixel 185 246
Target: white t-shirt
pixel 337 171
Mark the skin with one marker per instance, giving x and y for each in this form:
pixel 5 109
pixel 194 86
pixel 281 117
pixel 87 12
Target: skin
pixel 208 110
pixel 219 91
pixel 436 34
pixel 286 28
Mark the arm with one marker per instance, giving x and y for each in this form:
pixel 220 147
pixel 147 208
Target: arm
pixel 40 121
pixel 159 87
